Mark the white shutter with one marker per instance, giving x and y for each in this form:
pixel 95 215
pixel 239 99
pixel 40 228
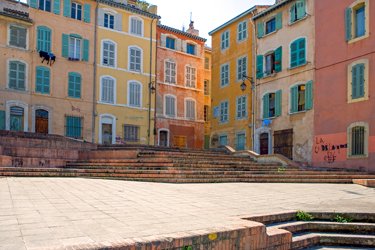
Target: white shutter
pixel 163 40
pixel 184 44
pixel 198 50
pixel 118 22
pixel 178 46
pixel 100 17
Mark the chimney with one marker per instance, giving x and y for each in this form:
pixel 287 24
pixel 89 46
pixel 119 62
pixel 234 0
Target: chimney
pixel 191 29
pixel 153 9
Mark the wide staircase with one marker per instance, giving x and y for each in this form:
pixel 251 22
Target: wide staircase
pixel 28 154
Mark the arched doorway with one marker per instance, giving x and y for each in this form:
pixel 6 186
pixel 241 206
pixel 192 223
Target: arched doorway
pixel 107 129
pixel 17 118
pixel 41 121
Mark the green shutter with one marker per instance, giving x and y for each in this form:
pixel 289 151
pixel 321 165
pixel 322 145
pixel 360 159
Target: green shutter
pixel 361 80
pixel 43 39
pixel 33 4
pixel 2 119
pixel 292 14
pixel 293 54
pixel 40 39
pixel 278 103
pixel 279 20
pixel 86 13
pixel 302 51
pixel 294 99
pixel 301 10
pixel 86 46
pixel 67 8
pixel 259 66
pixel 42 80
pixel 78 86
pixel 354 81
pixel 309 95
pixel 71 83
pixel 260 29
pixel 65 46
pixel 266 106
pixel 39 79
pixel 56 7
pixel 348 23
pixel 278 59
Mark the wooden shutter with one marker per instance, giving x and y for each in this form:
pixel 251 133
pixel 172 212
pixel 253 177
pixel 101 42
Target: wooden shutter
pixel 65 46
pixel 348 23
pixel 259 66
pixel 279 20
pixel 278 59
pixel 294 99
pixel 33 4
pixel 301 10
pixel 86 13
pixel 56 7
pixel 266 106
pixel 2 119
pixel 86 46
pixel 278 103
pixel 67 8
pixel 309 95
pixel 260 29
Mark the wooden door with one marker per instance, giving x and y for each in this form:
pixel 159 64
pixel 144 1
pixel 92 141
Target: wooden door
pixel 264 143
pixel 283 143
pixel 41 121
pixel 163 138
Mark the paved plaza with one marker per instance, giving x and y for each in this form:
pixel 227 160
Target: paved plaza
pixel 37 213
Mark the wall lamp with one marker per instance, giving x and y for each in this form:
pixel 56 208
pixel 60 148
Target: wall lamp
pixel 243 84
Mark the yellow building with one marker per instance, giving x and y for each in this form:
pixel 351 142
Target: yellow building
pixel 232 65
pixel 125 73
pixel 207 96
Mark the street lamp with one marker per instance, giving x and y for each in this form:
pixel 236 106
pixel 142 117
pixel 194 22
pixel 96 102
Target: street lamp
pixel 151 90
pixel 243 87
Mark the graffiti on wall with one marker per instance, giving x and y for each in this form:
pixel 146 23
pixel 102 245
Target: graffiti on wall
pixel 330 150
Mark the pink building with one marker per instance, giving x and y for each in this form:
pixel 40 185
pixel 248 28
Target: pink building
pixel 344 122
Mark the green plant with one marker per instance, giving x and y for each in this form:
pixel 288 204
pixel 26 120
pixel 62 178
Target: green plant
pixel 281 169
pixel 187 248
pixel 304 216
pixel 342 219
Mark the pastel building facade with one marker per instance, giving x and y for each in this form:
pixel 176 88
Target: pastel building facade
pixel 46 71
pixel 285 79
pixel 344 121
pixel 232 62
pixel 207 96
pixel 180 88
pixel 125 61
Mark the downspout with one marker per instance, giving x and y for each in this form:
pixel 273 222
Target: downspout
pixel 156 90
pixel 149 86
pixel 253 84
pixel 94 81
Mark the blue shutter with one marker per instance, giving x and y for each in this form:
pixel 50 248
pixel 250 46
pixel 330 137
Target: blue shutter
pixel 309 95
pixel 266 106
pixel 361 80
pixel 86 46
pixel 293 54
pixel 292 13
pixel 43 39
pixel 65 46
pixel 260 29
pixel 279 20
pixel 259 66
pixel 348 23
pixel 33 4
pixel 301 9
pixel 2 119
pixel 302 51
pixel 294 99
pixel 86 13
pixel 278 59
pixel 39 79
pixel 67 8
pixel 278 103
pixel 40 39
pixel 71 83
pixel 56 7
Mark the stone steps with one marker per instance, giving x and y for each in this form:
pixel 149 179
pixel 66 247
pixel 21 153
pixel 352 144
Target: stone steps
pixel 33 152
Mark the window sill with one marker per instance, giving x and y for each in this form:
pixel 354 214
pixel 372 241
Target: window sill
pixel 298 66
pixel 356 39
pixel 242 41
pixel 361 99
pixel 73 59
pixel 16 47
pixel 270 34
pixel 299 20
pixel 242 118
pixel 298 112
pixel 269 75
pixel 17 90
pixel 357 157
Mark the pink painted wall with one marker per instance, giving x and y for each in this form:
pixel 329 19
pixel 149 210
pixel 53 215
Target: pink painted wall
pixel 333 113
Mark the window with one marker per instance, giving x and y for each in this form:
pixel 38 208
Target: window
pixel 109 21
pixel 74 85
pixel 170 72
pixel 240 141
pixel 75 48
pixel 73 127
pixel 135 59
pixel 191 77
pixel 359 27
pixel 224 75
pixel 301 97
pixel 358 81
pixel 170 106
pixel 42 84
pixel 108 90
pixel 76 11
pixel 270 63
pixel 190 109
pixel 225 40
pixel 109 54
pixel 272 105
pixel 358 134
pixel 241 107
pixel 16 118
pixel 207 63
pixel 357 20
pixel 17 75
pixel 223 140
pixel 298 53
pixel 45 5
pixel 44 39
pixel 136 26
pixel 224 111
pixel 206 112
pixel 17 36
pixel 241 68
pixel 135 94
pixel 242 31
pixel 171 43
pixel 297 11
pixel 190 49
pixel 206 87
pixel 271 26
pixel 131 133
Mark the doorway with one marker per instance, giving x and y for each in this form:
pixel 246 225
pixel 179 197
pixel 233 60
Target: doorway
pixel 16 118
pixel 263 142
pixel 106 133
pixel 283 143
pixel 163 138
pixel 41 121
pixel 107 129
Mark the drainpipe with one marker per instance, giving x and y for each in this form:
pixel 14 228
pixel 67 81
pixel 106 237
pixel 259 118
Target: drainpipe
pixel 149 86
pixel 156 91
pixel 94 80
pixel 253 86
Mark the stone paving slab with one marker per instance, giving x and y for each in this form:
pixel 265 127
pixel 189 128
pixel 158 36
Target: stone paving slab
pixel 44 213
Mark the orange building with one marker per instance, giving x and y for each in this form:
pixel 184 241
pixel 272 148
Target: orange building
pixel 180 88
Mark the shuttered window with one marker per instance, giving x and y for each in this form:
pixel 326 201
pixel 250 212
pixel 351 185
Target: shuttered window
pixel 224 111
pixel 72 47
pixel 109 53
pixel 74 85
pixel 259 72
pixel 134 94
pixel 225 40
pixel 298 53
pixel 17 36
pixel 42 80
pixel 224 75
pixel 240 141
pixel 241 68
pixel 358 141
pixel 190 109
pixel 223 140
pixel 2 119
pixel 297 11
pixel 190 49
pixel 170 72
pixel 241 107
pixel 135 59
pixel 191 77
pixel 131 133
pixel 358 81
pixel 16 118
pixel 45 5
pixel 242 31
pixel 170 43
pixel 44 39
pixel 109 21
pixel 170 106
pixel 76 11
pixel 136 26
pixel 359 15
pixel 108 90
pixel 301 97
pixel 73 127
pixel 17 75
